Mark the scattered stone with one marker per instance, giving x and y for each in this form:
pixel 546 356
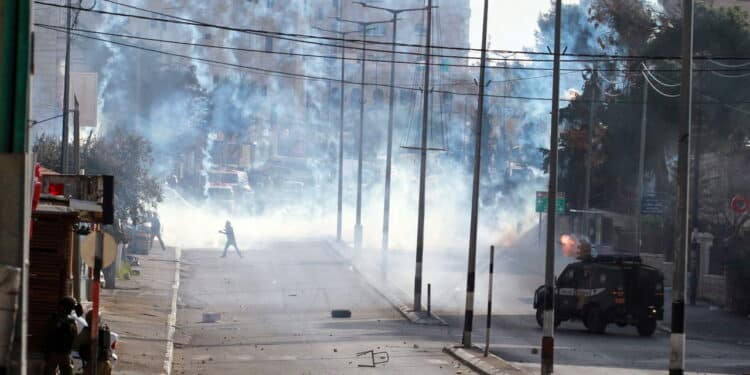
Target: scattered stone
pixel 415 346
pixel 335 350
pixel 534 351
pixel 210 358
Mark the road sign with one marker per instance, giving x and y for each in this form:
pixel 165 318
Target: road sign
pixel 652 205
pixel 542 201
pixel 740 204
pixel 88 250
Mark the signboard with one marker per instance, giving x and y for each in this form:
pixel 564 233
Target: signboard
pixel 91 195
pixel 652 205
pixel 88 250
pixel 542 202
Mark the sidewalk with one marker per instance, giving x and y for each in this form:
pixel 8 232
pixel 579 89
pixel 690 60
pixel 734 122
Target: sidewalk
pixel 707 322
pixel 139 310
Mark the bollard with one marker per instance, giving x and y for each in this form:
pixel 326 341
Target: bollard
pixel 429 299
pixel 489 303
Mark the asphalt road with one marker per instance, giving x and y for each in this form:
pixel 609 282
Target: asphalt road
pixel 275 306
pixel 515 332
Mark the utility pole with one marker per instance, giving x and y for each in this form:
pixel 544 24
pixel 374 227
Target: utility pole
pixel 423 163
pixel 590 151
pixel 677 340
pixel 66 88
pixel 548 341
pixel 470 274
pixel 389 145
pixel 76 136
pixel 358 226
pixel 641 162
pixel 339 219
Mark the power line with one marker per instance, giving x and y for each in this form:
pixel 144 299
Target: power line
pixel 498 67
pixel 272 72
pixel 281 73
pixel 214 46
pixel 187 21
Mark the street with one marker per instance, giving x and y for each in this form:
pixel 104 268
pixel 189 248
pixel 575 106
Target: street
pixel 515 332
pixel 275 306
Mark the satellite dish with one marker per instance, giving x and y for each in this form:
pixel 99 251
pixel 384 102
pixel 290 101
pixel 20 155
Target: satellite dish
pixel 88 250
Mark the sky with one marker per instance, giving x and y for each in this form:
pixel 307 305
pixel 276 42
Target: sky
pixel 511 23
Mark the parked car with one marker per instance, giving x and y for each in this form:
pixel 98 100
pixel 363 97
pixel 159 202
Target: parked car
pixel 140 239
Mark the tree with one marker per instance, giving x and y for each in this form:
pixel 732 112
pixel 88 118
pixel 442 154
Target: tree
pixel 124 155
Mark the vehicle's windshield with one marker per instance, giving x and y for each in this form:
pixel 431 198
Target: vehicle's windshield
pixel 220 193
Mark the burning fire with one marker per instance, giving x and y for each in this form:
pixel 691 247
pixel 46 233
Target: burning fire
pixel 569 245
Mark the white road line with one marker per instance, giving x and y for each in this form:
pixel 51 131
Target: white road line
pixel 172 319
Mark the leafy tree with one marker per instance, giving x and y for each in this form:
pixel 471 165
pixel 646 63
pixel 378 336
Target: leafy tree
pixel 126 156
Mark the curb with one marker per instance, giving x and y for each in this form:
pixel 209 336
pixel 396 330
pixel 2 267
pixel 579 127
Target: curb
pixel 172 318
pixel 663 328
pixel 389 293
pixel 466 357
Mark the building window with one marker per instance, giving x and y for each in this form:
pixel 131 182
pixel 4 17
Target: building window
pixel 335 4
pixel 269 44
pixel 356 95
pixel 269 4
pixel 419 28
pixel 264 91
pixel 407 97
pixel 447 102
pixel 320 14
pixel 378 97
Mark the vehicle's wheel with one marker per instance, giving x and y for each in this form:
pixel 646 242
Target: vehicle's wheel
pixel 540 318
pixel 646 327
pixel 595 321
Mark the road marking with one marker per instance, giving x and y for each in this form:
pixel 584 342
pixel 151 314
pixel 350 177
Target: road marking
pixel 172 319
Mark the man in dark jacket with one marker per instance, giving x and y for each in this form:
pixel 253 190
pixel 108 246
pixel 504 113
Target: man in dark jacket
pixel 156 230
pixel 229 232
pixel 60 333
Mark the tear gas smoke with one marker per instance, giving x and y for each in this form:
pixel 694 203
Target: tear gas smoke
pixel 183 104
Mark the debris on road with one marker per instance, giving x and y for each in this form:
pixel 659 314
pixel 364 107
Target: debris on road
pixel 211 317
pixel 383 357
pixel 341 314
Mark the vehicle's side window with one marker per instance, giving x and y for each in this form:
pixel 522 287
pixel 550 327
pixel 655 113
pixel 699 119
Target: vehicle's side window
pixel 567 279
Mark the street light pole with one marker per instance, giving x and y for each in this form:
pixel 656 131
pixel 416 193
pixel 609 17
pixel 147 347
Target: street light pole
pixel 423 164
pixel 66 89
pixel 641 163
pixel 677 340
pixel 548 341
pixel 339 219
pixel 389 146
pixel 358 226
pixel 470 274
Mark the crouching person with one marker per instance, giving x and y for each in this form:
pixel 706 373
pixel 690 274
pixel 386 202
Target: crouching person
pixel 59 338
pixel 104 351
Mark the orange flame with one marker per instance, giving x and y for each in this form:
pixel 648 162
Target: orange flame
pixel 569 245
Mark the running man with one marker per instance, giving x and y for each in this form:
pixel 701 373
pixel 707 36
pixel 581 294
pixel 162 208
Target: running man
pixel 229 232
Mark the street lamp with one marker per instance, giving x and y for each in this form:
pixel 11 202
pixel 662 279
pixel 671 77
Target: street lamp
pixel 341 34
pixel 389 147
pixel 358 226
